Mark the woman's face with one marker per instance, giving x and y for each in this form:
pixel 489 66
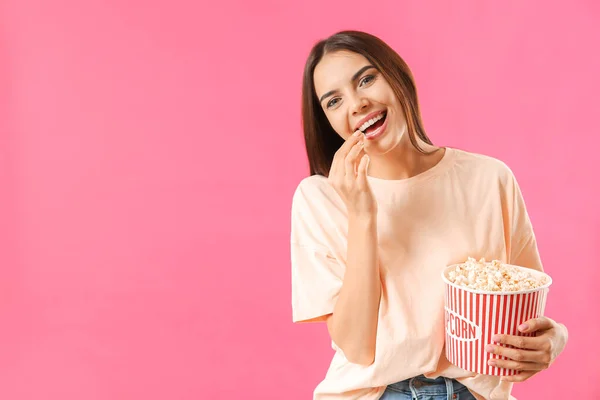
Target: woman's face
pixel 354 95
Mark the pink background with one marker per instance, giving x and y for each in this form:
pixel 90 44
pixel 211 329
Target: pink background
pixel 150 149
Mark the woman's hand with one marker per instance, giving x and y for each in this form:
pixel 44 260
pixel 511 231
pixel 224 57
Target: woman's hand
pixel 350 180
pixel 532 354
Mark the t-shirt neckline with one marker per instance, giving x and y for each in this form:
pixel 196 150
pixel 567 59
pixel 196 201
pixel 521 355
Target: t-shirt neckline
pixel 437 169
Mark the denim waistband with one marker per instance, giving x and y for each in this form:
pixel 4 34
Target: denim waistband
pixel 428 386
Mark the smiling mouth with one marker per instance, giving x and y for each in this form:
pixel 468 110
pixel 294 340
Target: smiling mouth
pixel 373 124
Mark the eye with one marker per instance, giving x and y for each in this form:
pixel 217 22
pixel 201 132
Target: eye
pixel 366 80
pixel 333 102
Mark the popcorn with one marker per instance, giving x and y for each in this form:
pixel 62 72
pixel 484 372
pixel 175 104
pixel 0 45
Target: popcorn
pixel 487 298
pixel 494 276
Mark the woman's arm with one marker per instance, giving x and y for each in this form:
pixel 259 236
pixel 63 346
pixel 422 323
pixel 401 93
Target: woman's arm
pixel 353 324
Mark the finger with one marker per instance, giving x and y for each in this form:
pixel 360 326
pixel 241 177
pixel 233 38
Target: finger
pixel 333 171
pixel 536 324
pixel 520 377
pixel 345 148
pixel 517 354
pixel 363 166
pixel 358 160
pixel 520 342
pixel 350 160
pixel 516 365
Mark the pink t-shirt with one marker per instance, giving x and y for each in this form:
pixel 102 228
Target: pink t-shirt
pixel 468 205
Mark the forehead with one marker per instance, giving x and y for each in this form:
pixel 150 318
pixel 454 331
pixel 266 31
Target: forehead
pixel 336 69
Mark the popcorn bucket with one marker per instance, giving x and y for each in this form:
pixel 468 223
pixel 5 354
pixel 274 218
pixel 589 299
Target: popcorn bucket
pixel 472 317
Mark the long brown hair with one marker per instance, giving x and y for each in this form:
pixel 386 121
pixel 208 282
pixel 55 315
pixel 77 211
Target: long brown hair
pixel 321 140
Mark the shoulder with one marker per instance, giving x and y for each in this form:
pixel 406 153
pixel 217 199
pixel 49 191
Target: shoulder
pixel 485 166
pixel 317 211
pixel 317 206
pixel 315 191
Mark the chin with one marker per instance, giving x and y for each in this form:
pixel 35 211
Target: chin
pixel 386 143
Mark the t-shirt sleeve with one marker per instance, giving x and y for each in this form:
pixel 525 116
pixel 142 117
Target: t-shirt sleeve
pixel 316 273
pixel 523 245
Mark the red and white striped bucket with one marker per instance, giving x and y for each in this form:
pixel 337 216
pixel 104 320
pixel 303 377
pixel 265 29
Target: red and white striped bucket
pixel 472 317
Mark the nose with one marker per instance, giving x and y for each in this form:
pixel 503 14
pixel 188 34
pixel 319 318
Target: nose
pixel 359 103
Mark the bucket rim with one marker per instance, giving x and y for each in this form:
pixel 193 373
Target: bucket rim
pixel 535 271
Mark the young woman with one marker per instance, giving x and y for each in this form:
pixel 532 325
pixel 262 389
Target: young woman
pixel 383 212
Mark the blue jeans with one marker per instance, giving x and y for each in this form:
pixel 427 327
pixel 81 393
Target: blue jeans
pixel 421 388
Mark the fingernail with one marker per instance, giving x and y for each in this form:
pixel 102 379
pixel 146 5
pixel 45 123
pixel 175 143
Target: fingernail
pixel 523 327
pixel 357 133
pixel 492 362
pixel 489 348
pixel 496 338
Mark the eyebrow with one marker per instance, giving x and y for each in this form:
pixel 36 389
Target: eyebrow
pixel 354 77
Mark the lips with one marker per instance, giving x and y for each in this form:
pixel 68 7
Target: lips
pixel 367 118
pixel 377 132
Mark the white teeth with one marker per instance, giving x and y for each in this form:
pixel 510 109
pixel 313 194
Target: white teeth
pixel 370 122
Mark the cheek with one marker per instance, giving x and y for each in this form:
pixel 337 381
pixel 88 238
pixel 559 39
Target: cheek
pixel 397 108
pixel 392 100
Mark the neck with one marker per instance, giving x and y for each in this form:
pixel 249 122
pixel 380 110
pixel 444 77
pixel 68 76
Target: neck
pixel 405 161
